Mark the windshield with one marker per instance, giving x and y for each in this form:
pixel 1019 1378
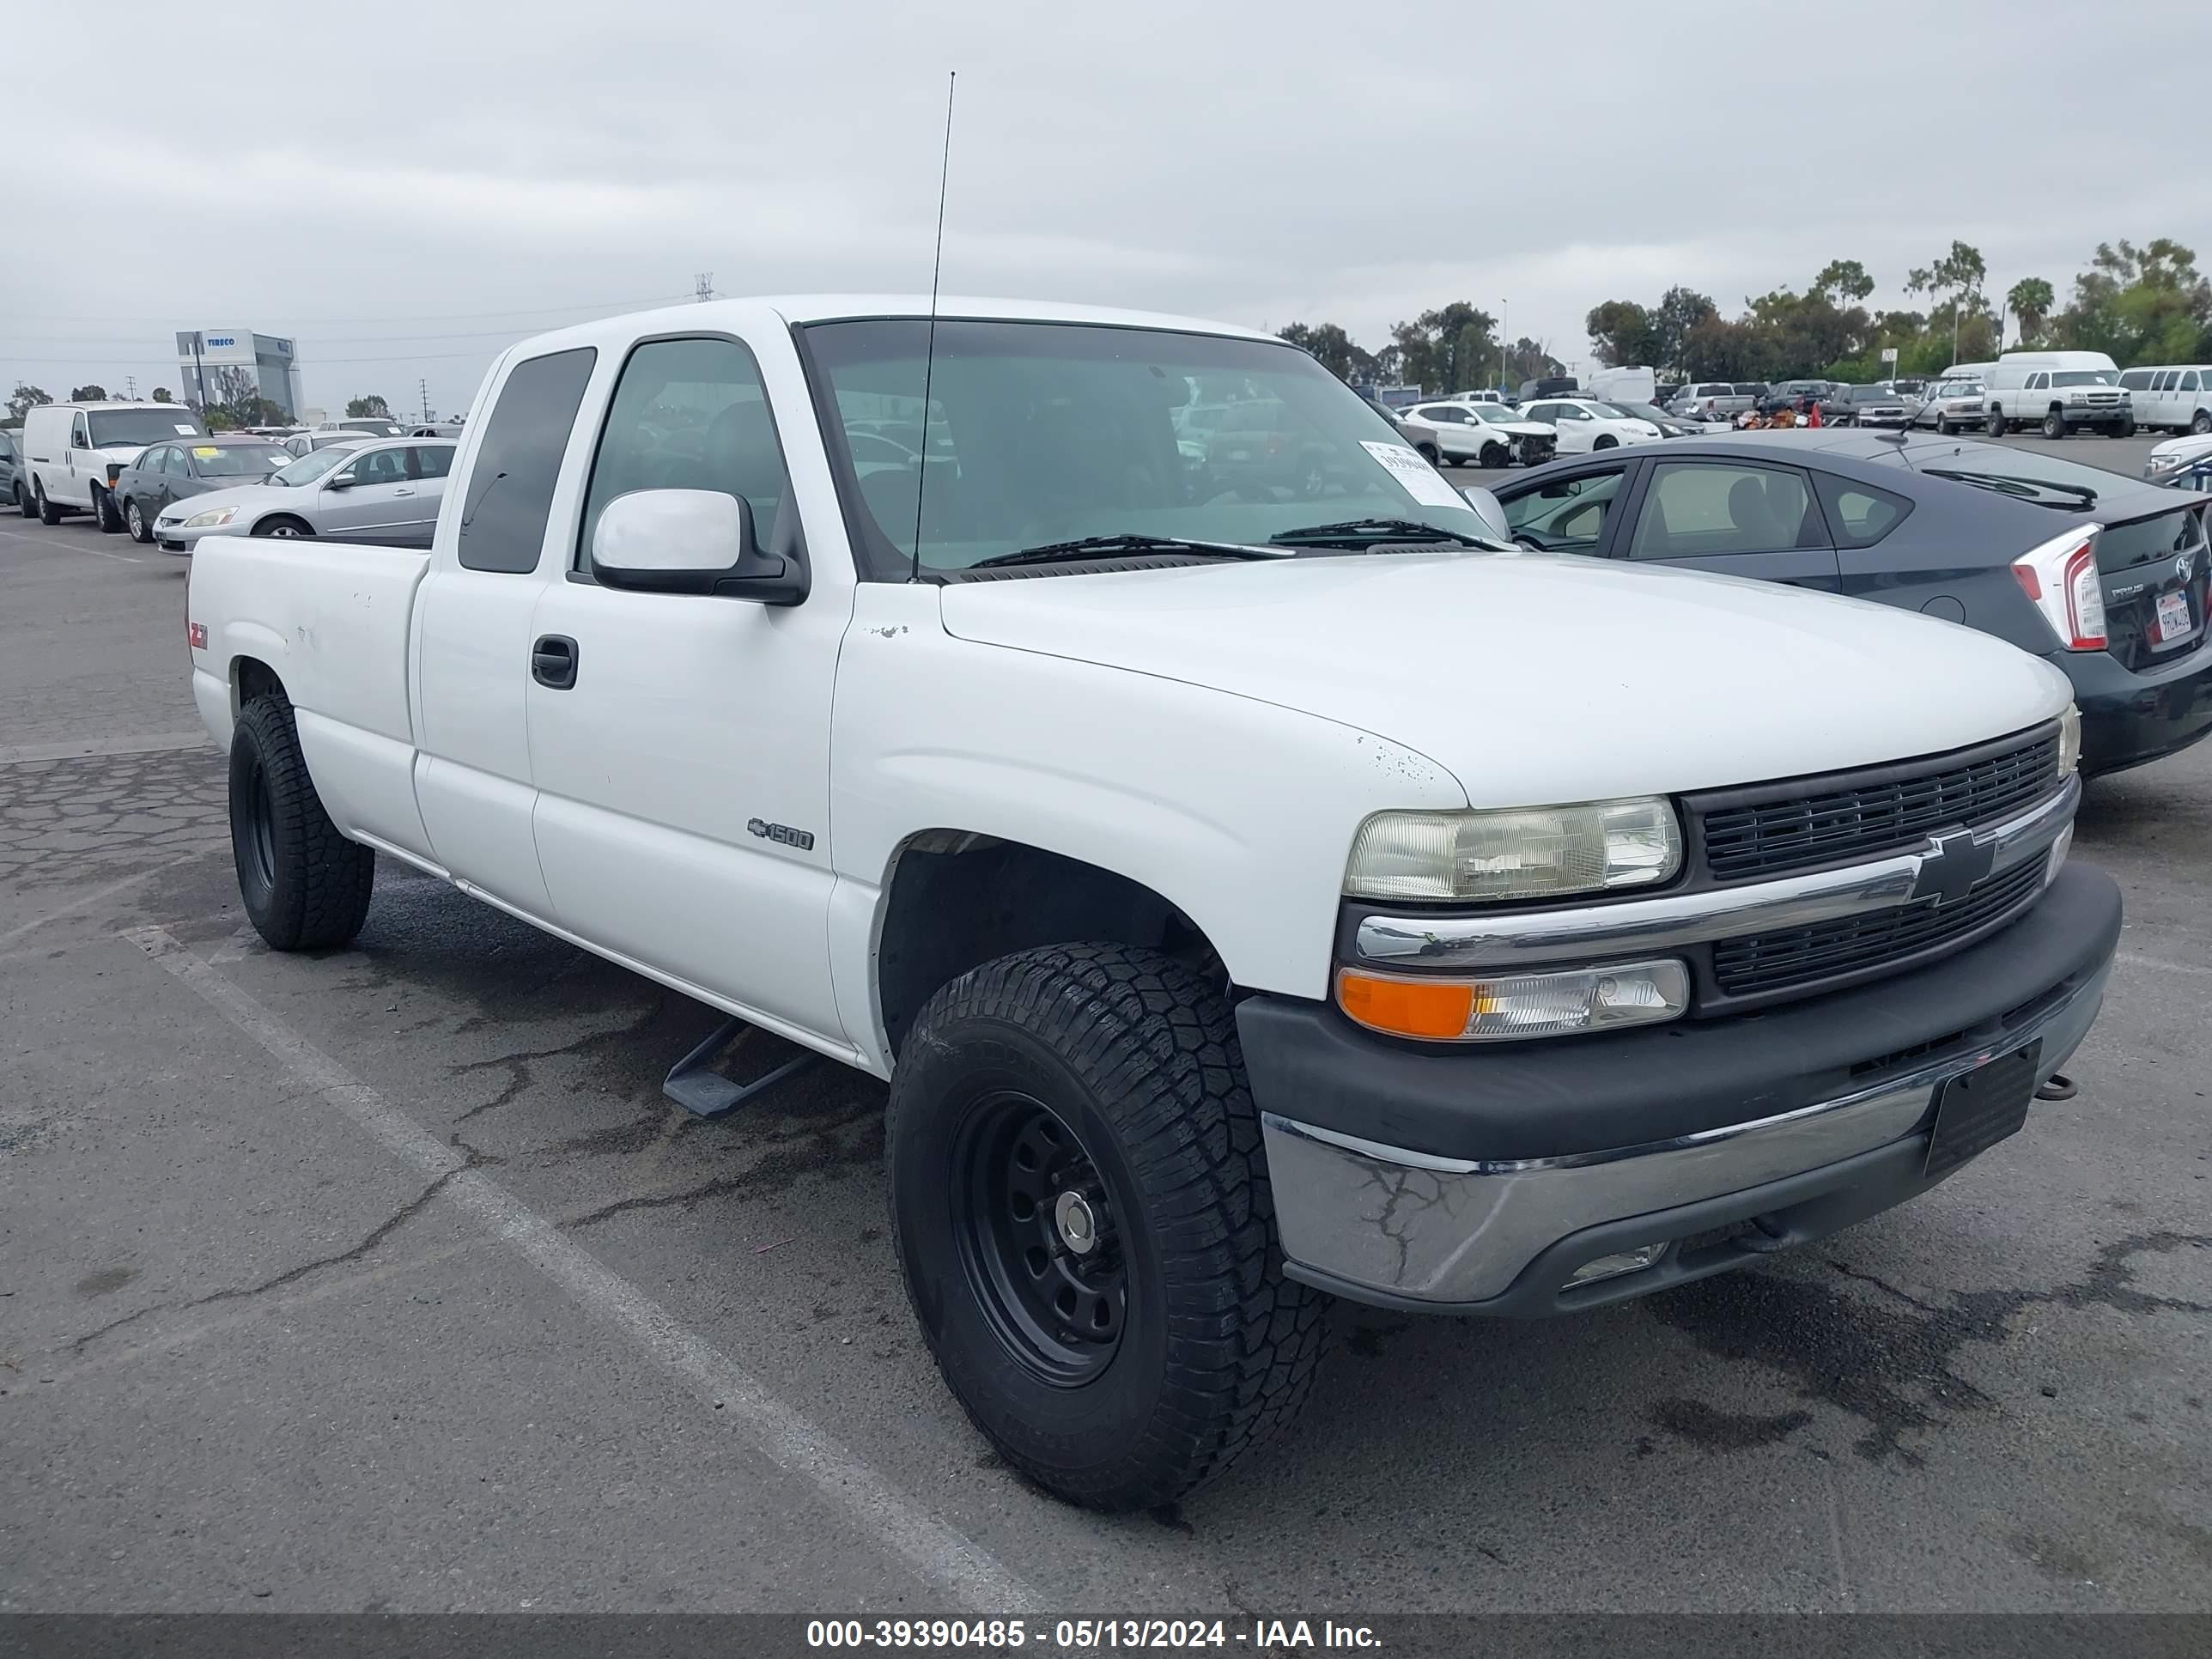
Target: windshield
pixel 114 428
pixel 237 460
pixel 376 428
pixel 1871 394
pixel 1960 389
pixel 2082 377
pixel 1042 434
pixel 1496 412
pixel 310 467
pixel 1643 412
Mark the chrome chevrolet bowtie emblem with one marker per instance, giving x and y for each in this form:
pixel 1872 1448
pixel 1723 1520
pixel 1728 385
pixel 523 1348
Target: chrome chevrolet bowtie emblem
pixel 1951 867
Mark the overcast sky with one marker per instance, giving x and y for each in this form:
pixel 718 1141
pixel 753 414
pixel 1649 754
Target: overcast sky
pixel 404 191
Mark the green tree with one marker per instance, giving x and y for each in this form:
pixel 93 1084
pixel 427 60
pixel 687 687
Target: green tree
pixel 90 392
pixel 1530 360
pixel 25 397
pixel 1843 279
pixel 1621 333
pixel 2142 305
pixel 367 408
pixel 2030 300
pixel 161 395
pixel 1679 311
pixel 1446 349
pixel 1332 347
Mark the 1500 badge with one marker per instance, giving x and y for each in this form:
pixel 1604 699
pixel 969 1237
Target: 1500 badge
pixel 782 834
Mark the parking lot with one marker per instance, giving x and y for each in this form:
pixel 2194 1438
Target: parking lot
pixel 388 1280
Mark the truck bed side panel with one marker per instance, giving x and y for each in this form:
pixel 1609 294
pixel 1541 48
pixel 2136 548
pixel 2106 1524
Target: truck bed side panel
pixel 330 619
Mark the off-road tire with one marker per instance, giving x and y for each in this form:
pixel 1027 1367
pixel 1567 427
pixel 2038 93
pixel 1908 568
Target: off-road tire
pixel 1217 1350
pixel 306 887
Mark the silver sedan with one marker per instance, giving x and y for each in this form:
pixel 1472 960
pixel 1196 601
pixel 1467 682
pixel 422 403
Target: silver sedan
pixel 383 491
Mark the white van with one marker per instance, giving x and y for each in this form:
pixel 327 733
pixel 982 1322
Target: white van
pixel 2059 391
pixel 2176 395
pixel 72 452
pixel 1967 371
pixel 1631 385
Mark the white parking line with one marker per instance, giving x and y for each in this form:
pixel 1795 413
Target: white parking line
pixel 2135 961
pixel 144 743
pixel 68 547
pixel 939 1553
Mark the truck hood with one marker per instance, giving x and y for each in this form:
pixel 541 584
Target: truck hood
pixel 1538 679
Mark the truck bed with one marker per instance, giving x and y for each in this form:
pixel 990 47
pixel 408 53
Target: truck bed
pixel 331 619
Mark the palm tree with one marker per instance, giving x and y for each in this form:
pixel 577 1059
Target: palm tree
pixel 2030 300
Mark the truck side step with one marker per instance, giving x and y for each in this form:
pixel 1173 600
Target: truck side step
pixel 693 1084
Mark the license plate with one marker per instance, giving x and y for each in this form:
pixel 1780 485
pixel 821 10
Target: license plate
pixel 1240 454
pixel 2173 622
pixel 1980 1108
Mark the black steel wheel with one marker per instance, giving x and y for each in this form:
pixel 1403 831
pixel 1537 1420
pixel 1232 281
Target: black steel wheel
pixel 1035 1232
pixel 1081 1207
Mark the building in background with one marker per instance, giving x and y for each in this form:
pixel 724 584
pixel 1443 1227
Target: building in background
pixel 239 364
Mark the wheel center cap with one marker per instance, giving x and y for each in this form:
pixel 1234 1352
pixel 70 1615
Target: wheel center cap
pixel 1079 1227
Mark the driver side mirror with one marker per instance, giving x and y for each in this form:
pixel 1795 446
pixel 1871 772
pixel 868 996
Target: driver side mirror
pixel 1490 510
pixel 690 541
pixel 344 478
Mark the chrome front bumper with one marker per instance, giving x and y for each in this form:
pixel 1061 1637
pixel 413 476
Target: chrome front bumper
pixel 1410 1229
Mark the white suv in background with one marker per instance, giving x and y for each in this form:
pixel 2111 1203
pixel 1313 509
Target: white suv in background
pixel 2176 395
pixel 73 452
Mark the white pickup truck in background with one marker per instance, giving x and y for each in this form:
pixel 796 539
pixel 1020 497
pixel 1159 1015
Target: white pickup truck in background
pixel 1252 890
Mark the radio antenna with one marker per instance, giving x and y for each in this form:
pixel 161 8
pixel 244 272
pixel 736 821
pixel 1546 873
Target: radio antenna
pixel 929 353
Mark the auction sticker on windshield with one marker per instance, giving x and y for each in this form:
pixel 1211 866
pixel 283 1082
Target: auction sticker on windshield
pixel 1417 478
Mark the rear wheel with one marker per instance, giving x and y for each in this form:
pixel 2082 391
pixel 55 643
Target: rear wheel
pixel 134 520
pixel 1428 454
pixel 1080 1204
pixel 2054 425
pixel 305 885
pixel 2203 424
pixel 1607 442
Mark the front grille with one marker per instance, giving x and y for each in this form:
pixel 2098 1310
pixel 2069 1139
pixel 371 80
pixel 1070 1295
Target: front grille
pixel 1895 807
pixel 1759 964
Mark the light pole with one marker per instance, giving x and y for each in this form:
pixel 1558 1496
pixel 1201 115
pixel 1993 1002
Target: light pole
pixel 1504 343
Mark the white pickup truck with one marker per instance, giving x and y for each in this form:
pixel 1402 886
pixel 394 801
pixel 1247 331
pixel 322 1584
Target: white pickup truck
pixel 1255 885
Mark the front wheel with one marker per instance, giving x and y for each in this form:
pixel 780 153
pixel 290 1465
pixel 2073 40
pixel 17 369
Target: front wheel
pixel 2121 430
pixel 133 520
pixel 286 529
pixel 1947 429
pixel 2054 425
pixel 103 512
pixel 1428 454
pixel 1495 456
pixel 49 514
pixel 305 885
pixel 1607 443
pixel 2203 424
pixel 1080 1204
pixel 1998 427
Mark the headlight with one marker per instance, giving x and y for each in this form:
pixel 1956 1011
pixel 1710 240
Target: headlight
pixel 1520 1005
pixel 2069 741
pixel 209 520
pixel 1519 854
pixel 2163 464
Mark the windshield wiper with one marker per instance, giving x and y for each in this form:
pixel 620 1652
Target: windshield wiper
pixel 1106 547
pixel 2027 490
pixel 1366 532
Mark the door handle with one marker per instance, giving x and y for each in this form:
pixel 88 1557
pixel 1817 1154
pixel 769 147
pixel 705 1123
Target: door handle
pixel 404 489
pixel 553 661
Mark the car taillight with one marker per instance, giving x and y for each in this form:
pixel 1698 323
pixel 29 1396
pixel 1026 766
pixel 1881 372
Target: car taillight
pixel 2060 577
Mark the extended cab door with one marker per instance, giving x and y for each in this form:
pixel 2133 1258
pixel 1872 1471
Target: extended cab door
pixel 1739 518
pixel 493 557
pixel 680 743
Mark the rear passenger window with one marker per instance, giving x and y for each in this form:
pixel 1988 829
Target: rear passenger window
pixel 433 460
pixel 1696 509
pixel 1859 515
pixel 2189 380
pixel 688 415
pixel 519 462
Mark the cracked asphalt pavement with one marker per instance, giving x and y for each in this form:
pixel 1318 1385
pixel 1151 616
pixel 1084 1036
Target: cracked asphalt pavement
pixel 386 1278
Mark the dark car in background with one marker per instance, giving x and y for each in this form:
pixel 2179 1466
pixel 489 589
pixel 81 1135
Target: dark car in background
pixel 14 487
pixel 169 472
pixel 1864 405
pixel 2102 575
